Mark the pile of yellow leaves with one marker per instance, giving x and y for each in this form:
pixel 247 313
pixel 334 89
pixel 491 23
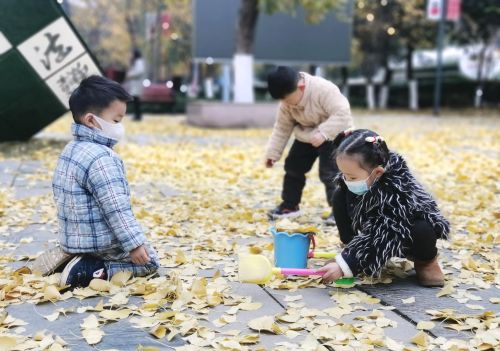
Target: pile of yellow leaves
pixel 222 193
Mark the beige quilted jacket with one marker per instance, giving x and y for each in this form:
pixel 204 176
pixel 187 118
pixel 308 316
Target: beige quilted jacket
pixel 322 107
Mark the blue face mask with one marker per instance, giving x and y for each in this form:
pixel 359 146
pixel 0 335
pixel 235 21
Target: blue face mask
pixel 358 187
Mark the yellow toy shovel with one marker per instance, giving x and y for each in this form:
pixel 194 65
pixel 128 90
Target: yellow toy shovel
pixel 258 269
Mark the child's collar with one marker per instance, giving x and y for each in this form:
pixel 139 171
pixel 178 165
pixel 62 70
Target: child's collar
pixel 83 133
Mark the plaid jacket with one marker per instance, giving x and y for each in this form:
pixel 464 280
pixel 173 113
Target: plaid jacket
pixel 93 197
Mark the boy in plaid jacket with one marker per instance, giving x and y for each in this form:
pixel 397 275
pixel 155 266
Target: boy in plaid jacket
pixel 91 191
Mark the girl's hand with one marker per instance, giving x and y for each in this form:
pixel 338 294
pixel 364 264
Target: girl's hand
pixel 332 272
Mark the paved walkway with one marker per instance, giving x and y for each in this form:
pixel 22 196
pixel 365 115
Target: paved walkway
pixel 367 316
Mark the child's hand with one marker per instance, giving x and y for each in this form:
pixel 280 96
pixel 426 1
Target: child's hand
pixel 269 163
pixel 317 139
pixel 139 255
pixel 332 272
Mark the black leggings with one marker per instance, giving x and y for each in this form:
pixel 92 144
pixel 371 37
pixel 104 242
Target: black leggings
pixel 422 246
pixel 299 161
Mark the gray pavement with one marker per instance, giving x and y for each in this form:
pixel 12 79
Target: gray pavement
pixel 20 177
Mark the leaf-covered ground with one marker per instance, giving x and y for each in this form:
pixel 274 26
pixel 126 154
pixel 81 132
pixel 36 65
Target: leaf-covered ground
pixel 201 196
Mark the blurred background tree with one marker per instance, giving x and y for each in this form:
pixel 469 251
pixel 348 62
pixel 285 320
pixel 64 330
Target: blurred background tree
pixel 385 32
pixel 479 25
pixel 388 29
pixel 160 29
pixel 315 10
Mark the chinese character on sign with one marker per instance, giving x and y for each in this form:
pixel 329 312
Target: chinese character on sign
pixel 69 80
pixel 51 48
pixel 63 82
pixel 58 50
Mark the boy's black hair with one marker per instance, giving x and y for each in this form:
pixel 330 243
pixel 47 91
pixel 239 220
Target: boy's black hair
pixel 94 94
pixel 282 81
pixel 370 147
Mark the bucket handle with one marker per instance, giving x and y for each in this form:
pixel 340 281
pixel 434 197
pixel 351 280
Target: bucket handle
pixel 312 240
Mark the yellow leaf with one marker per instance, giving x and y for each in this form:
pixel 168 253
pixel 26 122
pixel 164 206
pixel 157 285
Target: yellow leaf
pixel 121 278
pixel 291 334
pixel 199 287
pixel 425 325
pixel 255 250
pixel 393 345
pixel 383 322
pixel 289 318
pixel 249 306
pixel 92 336
pixel 7 343
pixel 446 290
pixel 159 331
pixel 115 314
pixel 180 258
pixel 147 348
pixel 51 293
pixel 52 317
pixel 408 300
pixel 420 339
pixel 100 285
pixel 291 298
pixel 90 322
pixel 265 323
pixel 249 339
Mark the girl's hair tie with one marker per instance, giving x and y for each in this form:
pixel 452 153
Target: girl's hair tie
pixel 374 139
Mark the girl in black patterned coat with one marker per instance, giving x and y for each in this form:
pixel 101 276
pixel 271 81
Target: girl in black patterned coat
pixel 382 211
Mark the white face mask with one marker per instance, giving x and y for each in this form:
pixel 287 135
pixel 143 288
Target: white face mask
pixel 358 187
pixel 114 131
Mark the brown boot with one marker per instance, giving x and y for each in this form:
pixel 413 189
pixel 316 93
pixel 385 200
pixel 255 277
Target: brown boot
pixel 429 273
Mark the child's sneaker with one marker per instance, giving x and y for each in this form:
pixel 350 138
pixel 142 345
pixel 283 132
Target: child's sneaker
pixel 50 261
pixel 283 212
pixel 81 270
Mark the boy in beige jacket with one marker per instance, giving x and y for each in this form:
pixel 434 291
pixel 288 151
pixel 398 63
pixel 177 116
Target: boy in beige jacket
pixel 316 111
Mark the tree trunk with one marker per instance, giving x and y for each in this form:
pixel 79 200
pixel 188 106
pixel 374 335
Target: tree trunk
pixel 480 77
pixel 384 89
pixel 131 29
pixel 243 58
pixel 370 94
pixel 412 82
pixel 156 59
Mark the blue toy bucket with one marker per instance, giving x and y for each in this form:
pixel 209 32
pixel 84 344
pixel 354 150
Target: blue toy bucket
pixel 290 250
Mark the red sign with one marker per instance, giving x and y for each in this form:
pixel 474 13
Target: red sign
pixel 452 11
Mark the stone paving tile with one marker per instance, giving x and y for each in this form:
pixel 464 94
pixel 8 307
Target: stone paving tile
pixel 22 193
pixel 425 299
pixel 6 179
pixel 40 235
pixel 270 308
pixel 320 299
pixel 27 181
pixel 32 166
pixel 120 335
pixel 9 166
